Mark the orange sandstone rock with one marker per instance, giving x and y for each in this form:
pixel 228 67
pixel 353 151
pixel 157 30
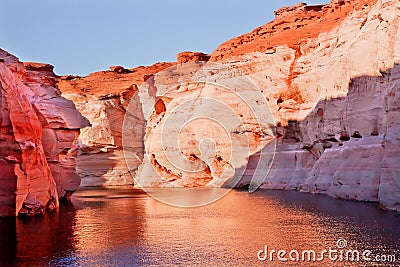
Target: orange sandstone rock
pixel 291 27
pixel 103 97
pixel 38 132
pixel 185 57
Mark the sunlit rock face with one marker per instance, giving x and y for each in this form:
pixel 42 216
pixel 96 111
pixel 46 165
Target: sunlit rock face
pixel 328 74
pixel 204 121
pixel 185 57
pixel 103 98
pixel 39 130
pixel 333 98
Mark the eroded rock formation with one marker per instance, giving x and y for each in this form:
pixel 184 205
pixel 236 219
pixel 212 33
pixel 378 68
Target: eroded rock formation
pixel 103 97
pixel 328 73
pixel 38 134
pixel 185 57
pixel 333 94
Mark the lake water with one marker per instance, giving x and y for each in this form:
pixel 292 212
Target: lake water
pixel 126 227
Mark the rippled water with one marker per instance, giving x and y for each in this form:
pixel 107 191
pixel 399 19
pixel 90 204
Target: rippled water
pixel 125 227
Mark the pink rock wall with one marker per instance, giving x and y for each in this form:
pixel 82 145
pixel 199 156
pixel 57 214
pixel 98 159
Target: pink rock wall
pixel 39 130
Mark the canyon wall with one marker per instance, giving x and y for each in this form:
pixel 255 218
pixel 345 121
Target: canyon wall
pixel 334 97
pixel 327 74
pixel 38 134
pixel 103 97
pixel 335 102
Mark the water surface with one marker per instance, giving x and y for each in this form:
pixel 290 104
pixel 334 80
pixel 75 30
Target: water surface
pixel 126 227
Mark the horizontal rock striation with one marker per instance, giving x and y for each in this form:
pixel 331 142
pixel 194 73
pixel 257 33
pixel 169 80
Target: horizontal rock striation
pixel 38 134
pixel 334 98
pixel 327 73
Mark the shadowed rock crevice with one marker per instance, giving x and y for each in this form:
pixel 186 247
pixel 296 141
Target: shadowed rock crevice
pixel 8 181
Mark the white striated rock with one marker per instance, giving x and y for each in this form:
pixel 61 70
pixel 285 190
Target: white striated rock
pixel 328 74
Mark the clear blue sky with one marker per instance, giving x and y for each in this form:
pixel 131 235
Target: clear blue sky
pixel 83 36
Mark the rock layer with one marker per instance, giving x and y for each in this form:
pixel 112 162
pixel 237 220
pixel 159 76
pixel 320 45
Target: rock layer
pixel 329 75
pixel 103 97
pixel 329 96
pixel 38 137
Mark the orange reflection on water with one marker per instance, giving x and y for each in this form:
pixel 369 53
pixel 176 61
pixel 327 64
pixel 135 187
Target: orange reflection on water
pixel 125 226
pixel 235 227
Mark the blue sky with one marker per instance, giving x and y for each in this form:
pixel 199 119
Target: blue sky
pixel 83 36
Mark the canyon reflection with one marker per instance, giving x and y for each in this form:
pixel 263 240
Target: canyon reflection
pixel 124 226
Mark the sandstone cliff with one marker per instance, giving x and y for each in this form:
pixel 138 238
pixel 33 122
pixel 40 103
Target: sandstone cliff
pixel 103 97
pixel 331 76
pixel 328 74
pixel 38 134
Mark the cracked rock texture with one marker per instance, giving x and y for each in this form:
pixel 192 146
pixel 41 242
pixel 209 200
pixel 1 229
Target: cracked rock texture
pixel 38 134
pixel 330 76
